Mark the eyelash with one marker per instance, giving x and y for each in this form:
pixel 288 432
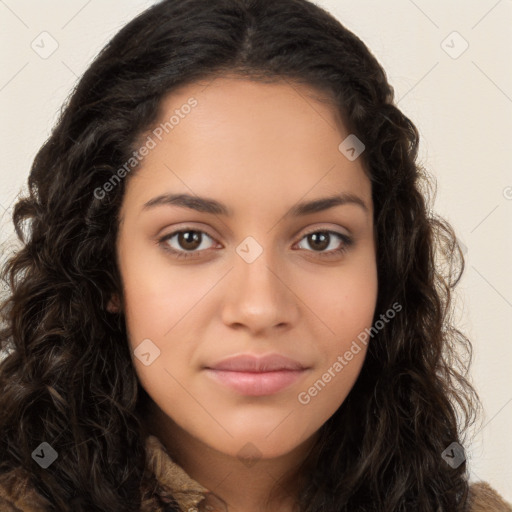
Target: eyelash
pixel 347 243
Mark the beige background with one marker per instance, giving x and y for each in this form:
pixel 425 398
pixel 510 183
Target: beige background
pixel 461 104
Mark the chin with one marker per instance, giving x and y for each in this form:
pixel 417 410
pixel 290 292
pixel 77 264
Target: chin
pixel 257 444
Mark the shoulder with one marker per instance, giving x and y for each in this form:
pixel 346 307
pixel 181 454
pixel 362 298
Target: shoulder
pixel 483 498
pixel 18 495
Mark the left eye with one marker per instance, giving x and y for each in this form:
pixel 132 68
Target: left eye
pixel 190 241
pixel 323 239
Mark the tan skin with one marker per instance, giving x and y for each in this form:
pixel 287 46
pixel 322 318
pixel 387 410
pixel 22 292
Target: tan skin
pixel 260 149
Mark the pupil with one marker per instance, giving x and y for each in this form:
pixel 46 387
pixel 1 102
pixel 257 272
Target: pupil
pixel 189 239
pixel 320 237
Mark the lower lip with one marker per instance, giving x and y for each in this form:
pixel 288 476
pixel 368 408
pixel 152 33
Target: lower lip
pixel 257 383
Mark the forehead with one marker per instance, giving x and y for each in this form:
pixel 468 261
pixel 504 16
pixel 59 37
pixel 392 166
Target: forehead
pixel 242 109
pixel 241 138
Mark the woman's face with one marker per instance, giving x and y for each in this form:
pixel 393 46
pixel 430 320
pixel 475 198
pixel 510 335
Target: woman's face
pixel 260 273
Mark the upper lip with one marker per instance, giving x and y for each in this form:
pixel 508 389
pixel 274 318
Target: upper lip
pixel 253 363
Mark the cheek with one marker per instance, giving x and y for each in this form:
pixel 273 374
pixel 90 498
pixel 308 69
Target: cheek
pixel 157 296
pixel 345 304
pixel 342 347
pixel 344 301
pixel 163 311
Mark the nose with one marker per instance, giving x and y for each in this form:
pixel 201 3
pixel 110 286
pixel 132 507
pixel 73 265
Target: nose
pixel 258 296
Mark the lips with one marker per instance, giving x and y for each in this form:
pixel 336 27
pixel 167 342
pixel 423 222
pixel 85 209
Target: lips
pixel 250 363
pixel 256 376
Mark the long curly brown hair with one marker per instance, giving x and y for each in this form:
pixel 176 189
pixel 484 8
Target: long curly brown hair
pixel 68 378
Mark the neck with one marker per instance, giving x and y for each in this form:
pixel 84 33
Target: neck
pixel 260 485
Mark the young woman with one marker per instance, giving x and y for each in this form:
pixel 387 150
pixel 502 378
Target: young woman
pixel 228 295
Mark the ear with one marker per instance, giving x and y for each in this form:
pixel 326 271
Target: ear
pixel 113 305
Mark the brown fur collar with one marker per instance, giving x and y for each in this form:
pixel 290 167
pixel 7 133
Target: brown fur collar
pixel 16 494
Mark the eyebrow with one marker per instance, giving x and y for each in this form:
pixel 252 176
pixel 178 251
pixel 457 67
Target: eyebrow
pixel 207 205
